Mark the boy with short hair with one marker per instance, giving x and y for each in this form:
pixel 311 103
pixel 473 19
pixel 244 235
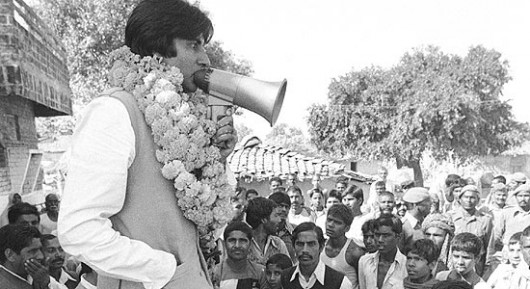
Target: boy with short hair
pixel 465 250
pixel 502 276
pixel 421 259
pixel 274 267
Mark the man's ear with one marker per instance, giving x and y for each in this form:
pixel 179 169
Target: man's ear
pixel 10 255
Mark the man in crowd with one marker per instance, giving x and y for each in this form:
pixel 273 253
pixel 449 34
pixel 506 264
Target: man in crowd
pixel 275 183
pixel 333 197
pixel 353 197
pixel 418 202
pixel 299 213
pixel 48 221
pixel 523 274
pixel 372 204
pixel 421 259
pixel 119 214
pixel 341 184
pixel 55 256
pixel 237 271
pixel 387 203
pixel 13 200
pixel 440 229
pixel 264 219
pixel 24 214
pixel 22 263
pixel 311 272
pixel 386 268
pixel 284 228
pixel 368 229
pixel 340 253
pixel 291 180
pixel 496 200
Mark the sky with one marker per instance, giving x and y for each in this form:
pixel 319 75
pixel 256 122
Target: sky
pixel 310 42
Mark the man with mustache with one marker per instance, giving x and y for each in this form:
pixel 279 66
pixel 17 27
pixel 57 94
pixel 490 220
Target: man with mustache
pixel 48 221
pixel 310 272
pixel 54 254
pixel 299 213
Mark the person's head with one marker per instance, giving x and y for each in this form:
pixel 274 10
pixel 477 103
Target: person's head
pixel 18 244
pixel 284 204
pixel 514 249
pixel 368 230
pixel 53 252
pixel 421 259
pixel 451 180
pixel 418 201
pixel 470 181
pixel 274 267
pixel 308 240
pixel 469 197
pixel 401 209
pixel 174 30
pixel 525 244
pixel 465 251
pixel 380 187
pixel 297 200
pixel 522 195
pixel 516 180
pixel 452 284
pixel 315 181
pixel 387 202
pixel 52 203
pixel 456 188
pixel 338 221
pixel 24 214
pixel 435 203
pixel 251 194
pixel 499 193
pixel 438 227
pixel 274 183
pixel 341 184
pixel 316 198
pixel 387 233
pixel 15 199
pixel 382 173
pixel 353 197
pixel 262 211
pixel 291 180
pixel 333 197
pixel 238 207
pixel 237 236
pixel 500 179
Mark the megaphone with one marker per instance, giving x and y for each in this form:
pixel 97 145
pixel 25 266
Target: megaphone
pixel 229 89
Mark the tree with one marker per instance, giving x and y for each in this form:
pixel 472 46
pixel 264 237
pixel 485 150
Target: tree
pixel 90 30
pixel 430 101
pixel 289 137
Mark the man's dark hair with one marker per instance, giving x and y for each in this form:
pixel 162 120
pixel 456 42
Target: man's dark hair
pixel 342 212
pixel 276 179
pixel 237 226
pixel 452 284
pixel 467 242
pixel 295 189
pixel 426 249
pixel 368 226
pixel 281 260
pixel 501 178
pixel 379 183
pixel 309 226
pixel 451 179
pixel 316 191
pixel 526 233
pixel 355 191
pixel 515 238
pixel 334 194
pixel 251 191
pixel 279 190
pixel 342 180
pixel 387 193
pixel 258 209
pixel 154 25
pixel 16 238
pixel 17 210
pixel 389 221
pixel 280 198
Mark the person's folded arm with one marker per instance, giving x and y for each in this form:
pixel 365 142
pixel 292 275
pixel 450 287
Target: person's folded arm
pixel 102 151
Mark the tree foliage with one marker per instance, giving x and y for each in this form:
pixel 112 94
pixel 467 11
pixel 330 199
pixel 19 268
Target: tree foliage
pixel 430 101
pixel 289 137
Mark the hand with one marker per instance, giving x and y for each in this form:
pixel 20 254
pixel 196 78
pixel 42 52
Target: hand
pixel 38 272
pixel 226 137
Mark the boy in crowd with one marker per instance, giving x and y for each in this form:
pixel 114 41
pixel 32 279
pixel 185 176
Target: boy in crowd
pixel 333 197
pixel 421 260
pixel 273 271
pixel 503 275
pixel 465 250
pixel 284 228
pixel 368 230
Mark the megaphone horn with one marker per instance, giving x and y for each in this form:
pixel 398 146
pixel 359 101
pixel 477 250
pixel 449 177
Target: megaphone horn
pixel 228 89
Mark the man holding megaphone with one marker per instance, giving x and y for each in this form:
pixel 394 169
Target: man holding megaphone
pixel 119 211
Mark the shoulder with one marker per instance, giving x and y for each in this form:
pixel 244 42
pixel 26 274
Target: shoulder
pixel 442 276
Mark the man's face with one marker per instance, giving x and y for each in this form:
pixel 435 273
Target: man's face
pixel 525 249
pixel 437 235
pixel 271 225
pixel 386 239
pixel 317 200
pixel 523 199
pixel 369 242
pixel 251 196
pixel 191 57
pixel 17 199
pixel 386 204
pixel 380 188
pixel 315 181
pixel 274 276
pixel 54 254
pixel 500 198
pixel 28 220
pixel 514 254
pixel 336 227
pixel 33 251
pixel 296 200
pixel 237 208
pixel 291 180
pixel 424 207
pixel 463 262
pixel 382 174
pixel 274 185
pixel 469 200
pixel 351 202
pixel 237 245
pixel 283 211
pixel 341 187
pixel 307 248
pixel 417 267
pixel 52 203
pixel 331 201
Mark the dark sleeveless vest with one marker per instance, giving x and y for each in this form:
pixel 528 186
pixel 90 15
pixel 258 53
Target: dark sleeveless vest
pixel 150 213
pixel 332 279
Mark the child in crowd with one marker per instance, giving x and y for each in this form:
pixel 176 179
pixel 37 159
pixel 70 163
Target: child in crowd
pixel 465 252
pixel 503 275
pixel 421 259
pixel 273 271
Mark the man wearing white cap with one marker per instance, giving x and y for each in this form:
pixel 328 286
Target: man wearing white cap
pixel 467 218
pixel 516 180
pixel 418 202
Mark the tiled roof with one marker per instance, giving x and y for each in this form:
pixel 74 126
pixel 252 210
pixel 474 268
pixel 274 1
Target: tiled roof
pixel 255 160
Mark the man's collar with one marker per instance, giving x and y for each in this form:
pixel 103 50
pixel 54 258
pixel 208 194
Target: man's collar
pixel 65 277
pixel 15 274
pixel 319 272
pixel 412 220
pixel 399 258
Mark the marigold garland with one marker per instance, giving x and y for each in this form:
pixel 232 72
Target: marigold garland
pixel 183 134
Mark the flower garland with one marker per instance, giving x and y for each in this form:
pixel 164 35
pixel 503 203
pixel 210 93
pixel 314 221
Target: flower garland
pixel 183 134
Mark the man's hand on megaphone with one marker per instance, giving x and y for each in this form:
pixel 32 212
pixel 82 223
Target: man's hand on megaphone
pixel 226 136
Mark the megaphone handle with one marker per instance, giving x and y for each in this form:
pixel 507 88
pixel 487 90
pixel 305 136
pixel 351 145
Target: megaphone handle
pixel 216 112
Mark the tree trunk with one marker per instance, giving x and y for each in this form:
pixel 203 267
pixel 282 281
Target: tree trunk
pixel 418 175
